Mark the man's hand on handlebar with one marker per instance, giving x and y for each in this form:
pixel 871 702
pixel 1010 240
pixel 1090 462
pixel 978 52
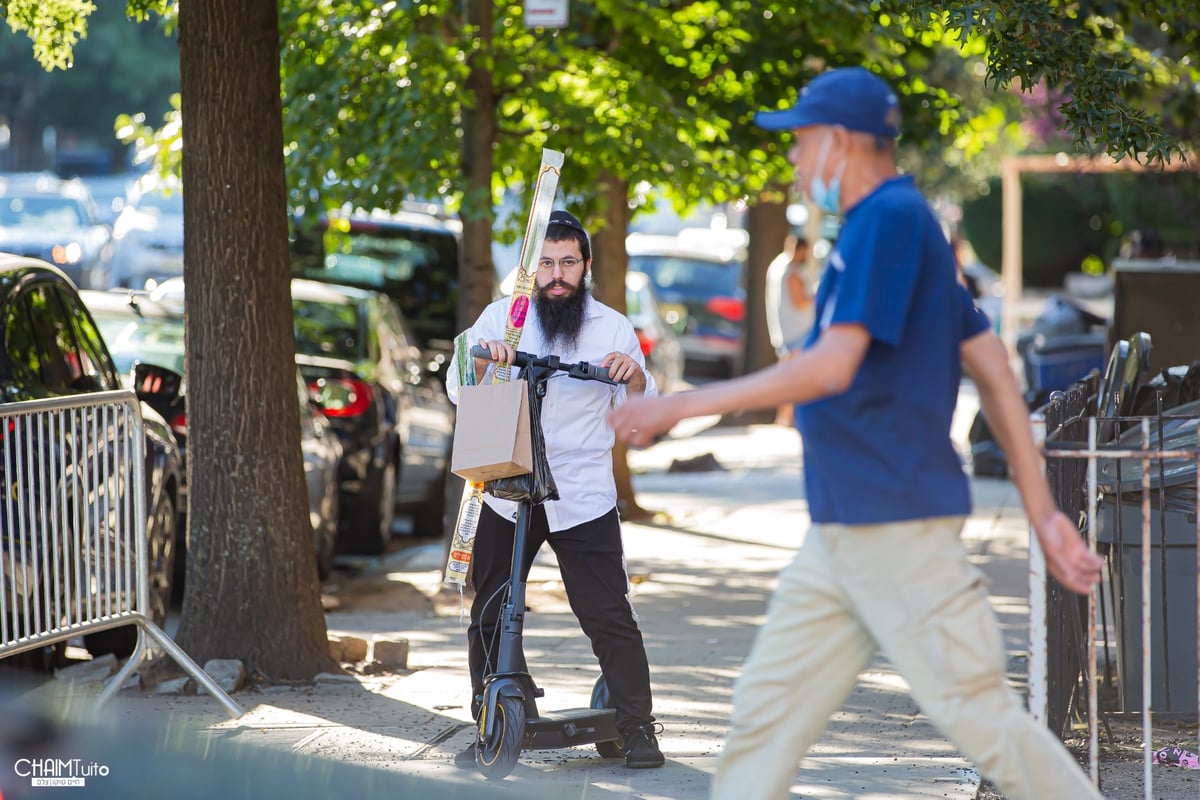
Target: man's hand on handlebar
pixel 491 350
pixel 624 369
pixel 500 352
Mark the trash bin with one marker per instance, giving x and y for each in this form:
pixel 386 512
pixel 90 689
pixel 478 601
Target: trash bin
pixel 1054 362
pixel 1173 536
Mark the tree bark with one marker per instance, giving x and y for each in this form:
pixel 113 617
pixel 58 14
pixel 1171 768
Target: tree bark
pixel 610 262
pixel 25 119
pixel 477 273
pixel 252 589
pixel 767 224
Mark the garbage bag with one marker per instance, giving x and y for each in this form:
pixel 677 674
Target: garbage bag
pixel 538 485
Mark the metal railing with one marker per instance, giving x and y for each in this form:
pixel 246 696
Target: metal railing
pixel 1056 615
pixel 1124 514
pixel 74 555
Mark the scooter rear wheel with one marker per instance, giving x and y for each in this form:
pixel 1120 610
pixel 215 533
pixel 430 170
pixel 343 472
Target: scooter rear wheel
pixel 600 699
pixel 497 757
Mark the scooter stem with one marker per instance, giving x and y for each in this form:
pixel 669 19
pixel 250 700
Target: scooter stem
pixel 511 655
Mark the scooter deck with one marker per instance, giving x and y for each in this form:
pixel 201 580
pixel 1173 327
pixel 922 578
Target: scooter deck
pixel 570 727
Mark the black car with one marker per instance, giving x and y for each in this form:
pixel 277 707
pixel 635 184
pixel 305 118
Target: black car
pixel 389 410
pixel 699 280
pixel 55 220
pixel 660 345
pixel 50 347
pixel 142 329
pixel 411 256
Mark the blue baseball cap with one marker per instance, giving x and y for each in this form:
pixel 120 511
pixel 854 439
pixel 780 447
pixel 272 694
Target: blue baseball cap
pixel 852 97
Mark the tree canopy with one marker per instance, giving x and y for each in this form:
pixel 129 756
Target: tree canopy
pixel 382 118
pixel 1127 71
pixel 662 93
pixel 118 67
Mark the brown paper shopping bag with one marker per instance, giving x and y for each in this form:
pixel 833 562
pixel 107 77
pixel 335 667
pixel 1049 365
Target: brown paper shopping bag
pixel 491 435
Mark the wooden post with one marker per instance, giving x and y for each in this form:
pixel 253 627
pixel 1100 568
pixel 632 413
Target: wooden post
pixel 1010 258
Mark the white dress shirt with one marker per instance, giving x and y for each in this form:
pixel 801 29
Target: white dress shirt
pixel 574 412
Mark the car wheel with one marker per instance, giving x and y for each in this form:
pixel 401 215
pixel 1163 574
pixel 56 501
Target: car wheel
pixel 326 538
pixel 371 525
pixel 430 518
pixel 161 535
pixel 387 506
pixel 162 558
pixel 178 581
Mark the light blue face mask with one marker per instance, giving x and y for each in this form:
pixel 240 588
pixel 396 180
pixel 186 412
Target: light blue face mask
pixel 827 197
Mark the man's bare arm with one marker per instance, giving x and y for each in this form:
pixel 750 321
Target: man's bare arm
pixel 985 360
pixel 828 368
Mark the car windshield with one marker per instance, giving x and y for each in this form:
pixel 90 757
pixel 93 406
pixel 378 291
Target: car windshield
pixel 41 212
pixel 157 341
pixel 416 267
pixel 329 330
pixel 693 277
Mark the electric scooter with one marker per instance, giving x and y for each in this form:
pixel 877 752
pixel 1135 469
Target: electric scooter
pixel 509 720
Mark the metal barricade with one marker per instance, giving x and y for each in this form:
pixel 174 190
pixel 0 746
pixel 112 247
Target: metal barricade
pixel 1091 464
pixel 74 555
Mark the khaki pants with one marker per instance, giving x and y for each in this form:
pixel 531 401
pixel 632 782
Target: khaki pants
pixel 909 591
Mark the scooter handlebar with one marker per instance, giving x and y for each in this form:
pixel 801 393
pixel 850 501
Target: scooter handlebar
pixel 580 370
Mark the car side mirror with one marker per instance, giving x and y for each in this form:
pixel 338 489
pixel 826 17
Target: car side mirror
pixel 152 382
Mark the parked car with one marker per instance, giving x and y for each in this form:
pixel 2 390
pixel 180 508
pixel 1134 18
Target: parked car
pixel 148 235
pixel 411 256
pixel 51 347
pixel 390 411
pixel 699 278
pixel 112 193
pixel 55 220
pixel 140 329
pixel 322 452
pixel 660 345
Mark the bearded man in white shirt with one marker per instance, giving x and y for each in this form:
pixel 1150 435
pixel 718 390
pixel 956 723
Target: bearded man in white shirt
pixel 582 526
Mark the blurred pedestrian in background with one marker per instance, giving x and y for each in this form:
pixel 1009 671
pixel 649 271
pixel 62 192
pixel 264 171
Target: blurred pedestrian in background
pixel 789 306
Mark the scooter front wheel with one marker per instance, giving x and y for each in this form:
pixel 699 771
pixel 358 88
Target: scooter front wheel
pixel 497 757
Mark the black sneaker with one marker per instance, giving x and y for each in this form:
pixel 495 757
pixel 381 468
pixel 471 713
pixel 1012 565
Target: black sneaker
pixel 466 759
pixel 641 745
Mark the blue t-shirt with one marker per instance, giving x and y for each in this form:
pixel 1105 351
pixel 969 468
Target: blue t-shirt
pixel 881 451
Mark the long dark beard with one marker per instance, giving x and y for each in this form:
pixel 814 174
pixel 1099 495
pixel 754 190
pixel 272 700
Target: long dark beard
pixel 561 318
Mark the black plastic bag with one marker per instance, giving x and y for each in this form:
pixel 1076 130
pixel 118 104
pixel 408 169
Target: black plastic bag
pixel 537 486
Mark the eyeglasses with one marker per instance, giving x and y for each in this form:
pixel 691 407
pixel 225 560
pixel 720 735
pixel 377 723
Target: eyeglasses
pixel 565 264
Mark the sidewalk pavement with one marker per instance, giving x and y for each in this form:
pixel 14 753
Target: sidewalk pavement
pixel 701 580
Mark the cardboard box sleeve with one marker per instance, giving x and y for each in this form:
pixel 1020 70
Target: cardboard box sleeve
pixel 491 435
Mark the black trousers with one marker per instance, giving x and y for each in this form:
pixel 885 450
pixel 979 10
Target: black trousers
pixel 591 561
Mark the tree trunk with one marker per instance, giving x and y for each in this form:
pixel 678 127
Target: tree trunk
pixel 766 222
pixel 477 273
pixel 25 119
pixel 252 589
pixel 609 264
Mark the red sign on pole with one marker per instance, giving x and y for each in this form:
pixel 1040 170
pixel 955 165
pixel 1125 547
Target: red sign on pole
pixel 546 13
